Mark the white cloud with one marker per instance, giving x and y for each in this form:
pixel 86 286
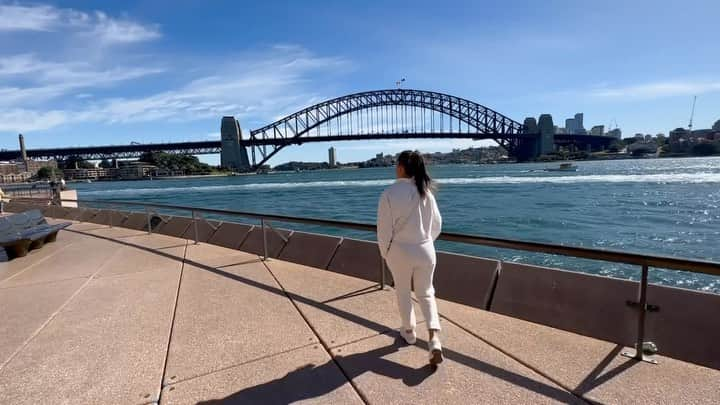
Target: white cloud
pixel 28 18
pixel 46 80
pixel 110 30
pixel 98 25
pixel 658 89
pixel 256 86
pixel 19 120
pixel 253 85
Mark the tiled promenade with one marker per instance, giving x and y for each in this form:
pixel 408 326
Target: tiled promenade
pixel 117 316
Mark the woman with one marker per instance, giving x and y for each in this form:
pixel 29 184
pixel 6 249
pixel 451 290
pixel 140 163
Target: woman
pixel 408 223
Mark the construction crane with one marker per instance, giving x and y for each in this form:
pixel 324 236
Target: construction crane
pixel 692 114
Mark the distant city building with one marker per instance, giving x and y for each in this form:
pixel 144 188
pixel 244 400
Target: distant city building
pixel 679 139
pixel 615 133
pixel 639 136
pixel 579 128
pixel 598 130
pixel 570 126
pixel 575 125
pixel 331 157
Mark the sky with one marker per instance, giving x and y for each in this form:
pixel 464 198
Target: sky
pixel 78 73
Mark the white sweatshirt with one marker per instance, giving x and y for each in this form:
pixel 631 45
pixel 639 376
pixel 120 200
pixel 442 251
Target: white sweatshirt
pixel 403 218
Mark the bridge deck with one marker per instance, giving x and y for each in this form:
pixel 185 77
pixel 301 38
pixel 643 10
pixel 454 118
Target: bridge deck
pixel 118 316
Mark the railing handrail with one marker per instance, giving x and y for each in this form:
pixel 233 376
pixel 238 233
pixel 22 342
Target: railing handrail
pixel 667 262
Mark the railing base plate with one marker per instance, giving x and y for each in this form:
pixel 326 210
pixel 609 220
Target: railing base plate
pixel 642 358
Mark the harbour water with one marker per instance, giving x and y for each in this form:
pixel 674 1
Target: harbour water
pixel 655 206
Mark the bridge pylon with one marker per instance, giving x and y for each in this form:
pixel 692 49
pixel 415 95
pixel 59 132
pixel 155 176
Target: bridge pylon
pixel 233 154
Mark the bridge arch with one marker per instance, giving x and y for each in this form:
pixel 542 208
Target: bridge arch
pixel 482 122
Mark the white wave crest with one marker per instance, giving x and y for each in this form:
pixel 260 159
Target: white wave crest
pixel 686 178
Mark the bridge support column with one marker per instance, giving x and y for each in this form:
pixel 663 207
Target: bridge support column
pixel 233 154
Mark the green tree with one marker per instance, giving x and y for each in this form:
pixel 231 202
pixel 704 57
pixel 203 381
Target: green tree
pixel 188 164
pixel 48 173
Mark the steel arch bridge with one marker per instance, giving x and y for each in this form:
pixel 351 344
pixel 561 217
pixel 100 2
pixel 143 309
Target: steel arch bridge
pixel 386 114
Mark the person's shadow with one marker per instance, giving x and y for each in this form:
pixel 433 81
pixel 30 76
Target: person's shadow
pixel 312 381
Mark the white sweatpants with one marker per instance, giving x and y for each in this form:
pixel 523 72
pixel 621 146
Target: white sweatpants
pixel 411 263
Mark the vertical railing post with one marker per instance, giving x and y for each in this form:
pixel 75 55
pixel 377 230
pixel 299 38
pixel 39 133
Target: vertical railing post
pixel 382 274
pixel 195 226
pixel 149 222
pixel 642 301
pixel 642 306
pixel 264 234
pixel 110 215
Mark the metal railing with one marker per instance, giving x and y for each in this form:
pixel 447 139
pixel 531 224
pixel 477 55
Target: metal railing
pixel 643 260
pixel 27 190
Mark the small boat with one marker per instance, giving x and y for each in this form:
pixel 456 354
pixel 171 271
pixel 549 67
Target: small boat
pixel 564 167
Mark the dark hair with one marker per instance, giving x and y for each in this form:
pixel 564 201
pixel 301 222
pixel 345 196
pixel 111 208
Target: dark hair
pixel 414 165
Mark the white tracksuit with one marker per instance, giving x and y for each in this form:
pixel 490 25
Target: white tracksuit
pixel 407 226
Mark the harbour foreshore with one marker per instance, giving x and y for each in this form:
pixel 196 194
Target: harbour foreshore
pixel 112 314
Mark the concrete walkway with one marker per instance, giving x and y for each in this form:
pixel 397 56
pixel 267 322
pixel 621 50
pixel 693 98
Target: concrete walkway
pixel 111 315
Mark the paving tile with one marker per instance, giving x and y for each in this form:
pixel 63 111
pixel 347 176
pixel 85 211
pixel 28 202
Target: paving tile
pixel 305 375
pixel 85 226
pixel 116 232
pixel 131 260
pixel 80 259
pixel 107 346
pixel 229 316
pixel 11 268
pixel 387 371
pixel 590 367
pixel 217 256
pixel 26 308
pixel 341 308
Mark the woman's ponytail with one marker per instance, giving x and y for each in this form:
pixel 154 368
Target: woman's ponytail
pixel 414 165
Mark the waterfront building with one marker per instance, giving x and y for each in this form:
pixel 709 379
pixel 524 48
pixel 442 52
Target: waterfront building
pixel 331 157
pixel 20 170
pixel 132 171
pixel 598 130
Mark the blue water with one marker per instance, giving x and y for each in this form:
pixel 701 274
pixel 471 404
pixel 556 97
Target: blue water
pixel 659 206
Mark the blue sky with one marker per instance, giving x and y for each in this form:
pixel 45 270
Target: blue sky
pixel 84 73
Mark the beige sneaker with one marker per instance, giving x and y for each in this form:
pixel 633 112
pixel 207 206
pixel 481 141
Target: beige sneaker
pixel 410 338
pixel 435 349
